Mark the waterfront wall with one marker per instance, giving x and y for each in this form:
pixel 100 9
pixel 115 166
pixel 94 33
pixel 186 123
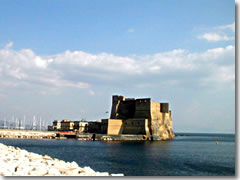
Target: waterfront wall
pixel 27 134
pixel 17 162
pixel 119 137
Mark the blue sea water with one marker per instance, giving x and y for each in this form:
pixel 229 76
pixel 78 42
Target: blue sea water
pixel 186 155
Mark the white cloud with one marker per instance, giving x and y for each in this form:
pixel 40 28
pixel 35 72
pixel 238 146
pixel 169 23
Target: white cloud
pixel 214 37
pixel 219 33
pixel 40 62
pixel 223 74
pixel 103 61
pixel 25 69
pixel 81 70
pixel 228 26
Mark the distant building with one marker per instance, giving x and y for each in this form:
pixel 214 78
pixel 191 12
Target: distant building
pixel 81 126
pixel 56 124
pixel 138 116
pixel 55 127
pixel 67 125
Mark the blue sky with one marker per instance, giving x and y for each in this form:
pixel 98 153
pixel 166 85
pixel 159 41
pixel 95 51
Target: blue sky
pixel 65 59
pixel 105 26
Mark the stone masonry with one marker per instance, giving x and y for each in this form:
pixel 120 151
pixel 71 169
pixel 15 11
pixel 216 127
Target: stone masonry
pixel 140 117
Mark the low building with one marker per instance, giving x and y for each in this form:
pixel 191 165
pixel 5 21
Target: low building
pixel 56 124
pixel 55 127
pixel 67 125
pixel 81 126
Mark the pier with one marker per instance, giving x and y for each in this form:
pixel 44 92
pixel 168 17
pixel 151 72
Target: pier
pixel 27 134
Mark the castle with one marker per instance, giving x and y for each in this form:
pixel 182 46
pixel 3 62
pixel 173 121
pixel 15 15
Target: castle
pixel 139 117
pixel 135 118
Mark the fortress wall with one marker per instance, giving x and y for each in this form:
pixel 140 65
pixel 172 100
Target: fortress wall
pixel 166 130
pixel 161 122
pixel 115 103
pixel 115 126
pixel 135 126
pixel 143 108
pixel 134 130
pixel 164 107
pixel 104 126
pixel 140 116
pixel 155 110
pixel 156 118
pixel 129 126
pixel 122 108
pixel 126 109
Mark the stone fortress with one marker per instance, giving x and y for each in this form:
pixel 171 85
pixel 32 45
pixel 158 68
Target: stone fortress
pixel 139 117
pixel 130 119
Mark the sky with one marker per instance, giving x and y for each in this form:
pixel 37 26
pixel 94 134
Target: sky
pixel 64 59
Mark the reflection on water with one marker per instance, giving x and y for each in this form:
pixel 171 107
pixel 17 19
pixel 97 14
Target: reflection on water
pixel 185 155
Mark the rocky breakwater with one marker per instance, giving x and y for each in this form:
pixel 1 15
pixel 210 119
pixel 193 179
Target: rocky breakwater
pixel 26 134
pixel 17 162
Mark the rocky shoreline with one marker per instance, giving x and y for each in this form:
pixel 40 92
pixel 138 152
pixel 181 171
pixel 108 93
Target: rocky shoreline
pixel 27 134
pixel 17 162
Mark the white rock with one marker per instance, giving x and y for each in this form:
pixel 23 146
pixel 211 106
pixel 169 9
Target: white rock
pixel 102 174
pixel 88 170
pixel 8 173
pixel 54 172
pixel 71 172
pixel 117 174
pixel 17 162
pixel 41 171
pixel 49 162
pixel 47 157
pixel 59 164
pixel 25 168
pixel 74 165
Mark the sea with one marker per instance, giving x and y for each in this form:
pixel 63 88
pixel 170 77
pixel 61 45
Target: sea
pixel 188 154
